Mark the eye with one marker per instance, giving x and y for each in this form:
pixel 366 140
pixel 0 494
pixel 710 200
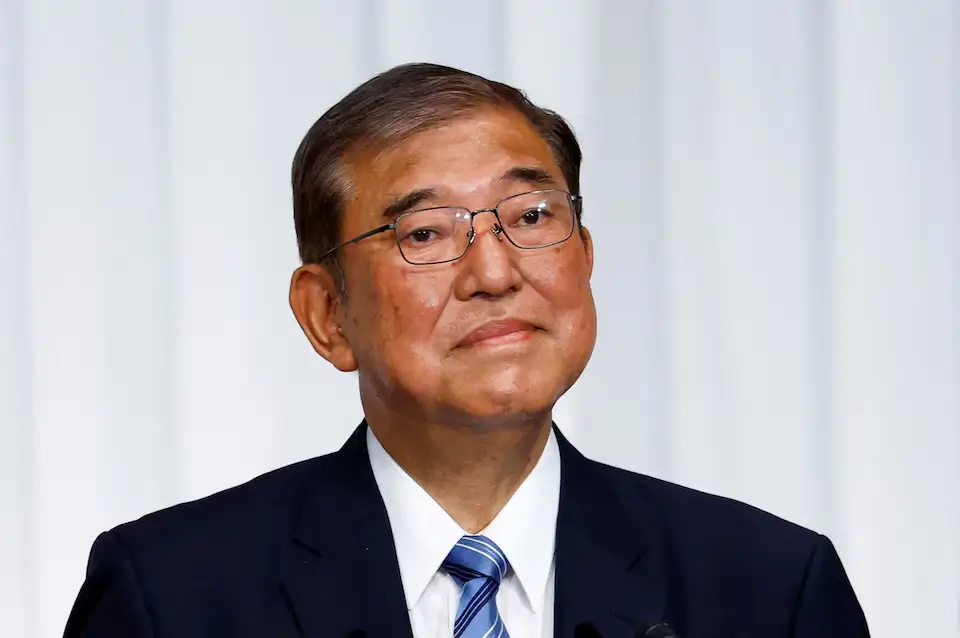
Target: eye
pixel 532 216
pixel 422 235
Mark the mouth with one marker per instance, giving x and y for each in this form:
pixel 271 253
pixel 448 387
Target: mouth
pixel 500 331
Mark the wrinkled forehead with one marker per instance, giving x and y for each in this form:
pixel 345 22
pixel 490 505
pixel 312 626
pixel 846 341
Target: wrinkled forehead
pixel 469 154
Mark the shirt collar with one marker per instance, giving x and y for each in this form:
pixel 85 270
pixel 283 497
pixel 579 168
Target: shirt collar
pixel 423 532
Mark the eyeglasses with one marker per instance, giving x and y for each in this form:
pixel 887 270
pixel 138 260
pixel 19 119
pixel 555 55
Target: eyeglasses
pixel 537 219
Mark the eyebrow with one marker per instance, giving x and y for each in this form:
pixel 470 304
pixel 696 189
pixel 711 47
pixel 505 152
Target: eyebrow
pixel 533 175
pixel 411 200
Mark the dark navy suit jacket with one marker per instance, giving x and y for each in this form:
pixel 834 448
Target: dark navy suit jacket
pixel 307 551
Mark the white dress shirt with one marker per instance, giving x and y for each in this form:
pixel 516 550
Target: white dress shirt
pixel 423 534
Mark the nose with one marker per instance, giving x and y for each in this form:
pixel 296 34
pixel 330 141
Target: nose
pixel 487 268
pixel 486 222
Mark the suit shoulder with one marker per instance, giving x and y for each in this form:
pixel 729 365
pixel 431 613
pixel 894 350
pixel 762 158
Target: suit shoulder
pixel 715 524
pixel 203 557
pixel 237 513
pixel 730 559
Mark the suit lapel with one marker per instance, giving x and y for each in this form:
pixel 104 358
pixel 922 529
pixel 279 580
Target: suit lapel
pixel 609 561
pixel 339 571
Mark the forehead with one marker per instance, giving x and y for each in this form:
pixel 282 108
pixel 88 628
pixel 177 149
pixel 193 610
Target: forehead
pixel 467 155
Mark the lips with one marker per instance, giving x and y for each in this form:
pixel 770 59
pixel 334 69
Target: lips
pixel 500 330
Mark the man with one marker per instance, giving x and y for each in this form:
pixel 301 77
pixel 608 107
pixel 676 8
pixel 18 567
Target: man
pixel 438 217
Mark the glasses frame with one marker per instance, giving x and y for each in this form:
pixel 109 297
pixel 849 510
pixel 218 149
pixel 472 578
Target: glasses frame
pixel 576 205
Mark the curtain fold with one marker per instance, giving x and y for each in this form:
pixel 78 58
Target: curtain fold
pixel 773 189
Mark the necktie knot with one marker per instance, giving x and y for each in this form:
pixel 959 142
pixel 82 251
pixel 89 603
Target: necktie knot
pixel 476 556
pixel 478 566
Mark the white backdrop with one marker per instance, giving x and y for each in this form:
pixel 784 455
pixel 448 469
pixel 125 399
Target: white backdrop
pixel 774 188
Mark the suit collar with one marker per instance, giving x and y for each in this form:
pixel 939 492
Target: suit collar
pixel 341 573
pixel 609 560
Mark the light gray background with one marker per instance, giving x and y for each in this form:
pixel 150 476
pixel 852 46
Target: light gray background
pixel 774 190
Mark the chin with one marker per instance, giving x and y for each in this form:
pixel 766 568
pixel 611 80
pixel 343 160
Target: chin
pixel 508 398
pixel 511 417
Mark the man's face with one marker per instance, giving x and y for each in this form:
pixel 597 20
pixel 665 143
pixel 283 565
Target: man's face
pixel 412 328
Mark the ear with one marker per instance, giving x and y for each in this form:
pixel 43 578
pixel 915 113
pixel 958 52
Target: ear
pixel 316 303
pixel 587 240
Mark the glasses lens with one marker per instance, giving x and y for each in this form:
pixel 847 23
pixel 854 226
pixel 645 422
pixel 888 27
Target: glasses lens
pixel 537 219
pixel 434 235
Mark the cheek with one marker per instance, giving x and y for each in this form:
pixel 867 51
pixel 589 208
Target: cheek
pixel 563 281
pixel 564 285
pixel 407 305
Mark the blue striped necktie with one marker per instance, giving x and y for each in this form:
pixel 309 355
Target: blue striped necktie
pixel 478 566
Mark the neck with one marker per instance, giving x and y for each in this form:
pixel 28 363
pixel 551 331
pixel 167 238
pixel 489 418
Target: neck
pixel 470 471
